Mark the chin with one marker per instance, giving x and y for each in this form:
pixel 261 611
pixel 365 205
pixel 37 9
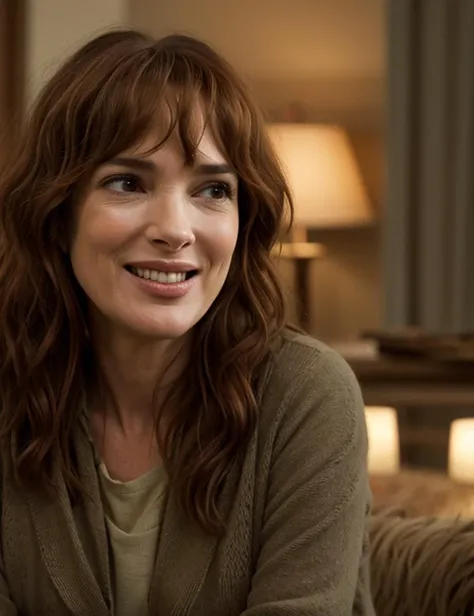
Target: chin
pixel 162 329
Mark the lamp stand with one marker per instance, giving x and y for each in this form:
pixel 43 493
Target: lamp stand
pixel 302 253
pixel 302 289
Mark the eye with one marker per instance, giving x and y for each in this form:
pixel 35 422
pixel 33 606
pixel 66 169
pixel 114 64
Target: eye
pixel 217 191
pixel 123 184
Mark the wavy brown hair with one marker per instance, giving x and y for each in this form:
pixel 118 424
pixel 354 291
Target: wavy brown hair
pixel 102 101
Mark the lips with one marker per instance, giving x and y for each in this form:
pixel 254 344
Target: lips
pixel 161 284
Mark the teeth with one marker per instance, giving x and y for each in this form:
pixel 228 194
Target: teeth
pixel 164 277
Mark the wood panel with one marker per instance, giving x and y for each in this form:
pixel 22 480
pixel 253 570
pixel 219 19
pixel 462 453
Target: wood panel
pixel 12 71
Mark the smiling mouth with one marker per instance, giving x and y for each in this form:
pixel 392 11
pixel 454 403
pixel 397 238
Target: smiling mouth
pixel 162 277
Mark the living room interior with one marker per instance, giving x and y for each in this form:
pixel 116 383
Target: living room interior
pixel 387 89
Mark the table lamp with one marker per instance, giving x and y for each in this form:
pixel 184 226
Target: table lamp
pixel 327 190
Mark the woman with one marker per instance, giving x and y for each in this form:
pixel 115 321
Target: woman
pixel 169 446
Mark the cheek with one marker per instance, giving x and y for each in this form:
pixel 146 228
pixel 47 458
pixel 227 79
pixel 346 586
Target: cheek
pixel 222 236
pixel 98 235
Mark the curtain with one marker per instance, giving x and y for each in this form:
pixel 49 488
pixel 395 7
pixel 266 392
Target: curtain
pixel 429 223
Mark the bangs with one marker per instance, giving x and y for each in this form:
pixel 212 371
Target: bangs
pixel 153 91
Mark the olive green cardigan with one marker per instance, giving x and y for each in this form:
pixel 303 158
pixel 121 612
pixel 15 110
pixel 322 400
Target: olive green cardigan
pixel 297 504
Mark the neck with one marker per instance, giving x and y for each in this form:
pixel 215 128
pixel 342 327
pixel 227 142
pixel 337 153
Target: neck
pixel 133 373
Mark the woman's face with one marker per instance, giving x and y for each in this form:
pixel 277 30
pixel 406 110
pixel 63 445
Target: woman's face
pixel 154 237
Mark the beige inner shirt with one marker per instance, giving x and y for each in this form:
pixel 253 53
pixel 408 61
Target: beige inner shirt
pixel 132 513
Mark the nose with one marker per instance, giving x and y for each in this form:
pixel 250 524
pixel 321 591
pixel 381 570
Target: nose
pixel 170 222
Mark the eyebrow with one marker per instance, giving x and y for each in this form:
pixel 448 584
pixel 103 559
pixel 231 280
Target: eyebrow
pixel 147 165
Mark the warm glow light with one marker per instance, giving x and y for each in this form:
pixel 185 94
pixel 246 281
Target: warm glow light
pixel 461 451
pixel 384 445
pixel 323 175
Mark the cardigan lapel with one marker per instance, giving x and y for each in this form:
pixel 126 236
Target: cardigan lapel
pixel 64 557
pixel 183 558
pixel 88 463
pixel 60 544
pixel 185 553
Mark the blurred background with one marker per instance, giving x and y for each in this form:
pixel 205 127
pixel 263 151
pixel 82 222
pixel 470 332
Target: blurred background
pixel 371 109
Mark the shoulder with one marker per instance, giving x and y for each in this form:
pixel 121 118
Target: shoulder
pixel 310 388
pixel 296 351
pixel 301 363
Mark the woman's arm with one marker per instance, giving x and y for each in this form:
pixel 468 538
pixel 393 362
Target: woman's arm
pixel 314 554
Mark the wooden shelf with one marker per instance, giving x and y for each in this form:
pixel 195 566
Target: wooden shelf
pixel 415 382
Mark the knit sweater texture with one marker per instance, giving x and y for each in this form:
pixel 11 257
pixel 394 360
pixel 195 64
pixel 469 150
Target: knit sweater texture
pixel 297 504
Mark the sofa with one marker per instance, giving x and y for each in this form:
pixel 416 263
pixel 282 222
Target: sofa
pixel 422 538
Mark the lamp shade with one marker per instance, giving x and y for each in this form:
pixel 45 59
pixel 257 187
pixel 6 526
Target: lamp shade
pixel 384 444
pixel 323 175
pixel 461 451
